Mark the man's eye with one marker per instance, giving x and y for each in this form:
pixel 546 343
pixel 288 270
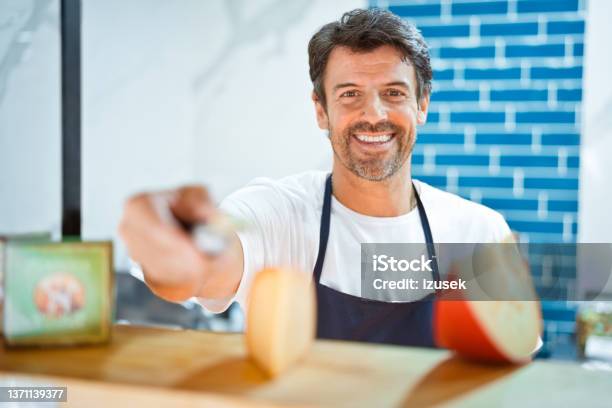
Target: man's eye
pixel 395 93
pixel 349 94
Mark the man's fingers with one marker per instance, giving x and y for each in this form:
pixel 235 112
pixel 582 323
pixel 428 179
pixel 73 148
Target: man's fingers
pixel 192 204
pixel 163 249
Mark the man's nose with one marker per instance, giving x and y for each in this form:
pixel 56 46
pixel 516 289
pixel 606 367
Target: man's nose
pixel 374 110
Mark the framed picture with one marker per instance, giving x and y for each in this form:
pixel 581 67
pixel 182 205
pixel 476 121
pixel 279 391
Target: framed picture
pixel 57 293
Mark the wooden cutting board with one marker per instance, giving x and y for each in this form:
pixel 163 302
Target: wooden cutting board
pixel 160 367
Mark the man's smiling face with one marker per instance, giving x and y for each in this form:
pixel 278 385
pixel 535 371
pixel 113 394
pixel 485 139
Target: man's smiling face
pixel 371 110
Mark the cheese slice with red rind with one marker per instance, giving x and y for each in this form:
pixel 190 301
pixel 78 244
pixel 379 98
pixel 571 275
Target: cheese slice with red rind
pixel 492 331
pixel 498 318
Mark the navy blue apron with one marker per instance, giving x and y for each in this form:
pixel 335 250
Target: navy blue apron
pixel 346 317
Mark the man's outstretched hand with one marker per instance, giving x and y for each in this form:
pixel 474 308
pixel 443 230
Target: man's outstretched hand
pixel 153 226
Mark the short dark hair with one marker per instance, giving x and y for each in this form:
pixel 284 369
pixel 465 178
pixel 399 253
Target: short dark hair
pixel 363 31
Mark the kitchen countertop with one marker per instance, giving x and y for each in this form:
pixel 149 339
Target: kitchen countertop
pixel 194 368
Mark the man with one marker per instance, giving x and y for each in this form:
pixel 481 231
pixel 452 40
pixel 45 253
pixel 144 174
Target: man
pixel 371 75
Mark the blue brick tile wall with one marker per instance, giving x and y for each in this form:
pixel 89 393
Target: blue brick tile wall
pixel 505 111
pixel 496 29
pixel 551 73
pixel 504 121
pixel 417 10
pixel 466 52
pixel 490 73
pixel 482 7
pixel 565 27
pixel 539 6
pixel 540 50
pixel 453 30
pixel 509 95
pixel 548 117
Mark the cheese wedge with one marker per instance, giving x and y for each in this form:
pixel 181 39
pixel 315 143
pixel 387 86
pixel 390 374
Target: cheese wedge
pixel 492 331
pixel 281 319
pixel 498 318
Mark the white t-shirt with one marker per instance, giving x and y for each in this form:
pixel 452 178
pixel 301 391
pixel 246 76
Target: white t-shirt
pixel 284 217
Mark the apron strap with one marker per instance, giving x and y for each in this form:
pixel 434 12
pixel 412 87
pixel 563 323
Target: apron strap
pixel 324 228
pixel 431 250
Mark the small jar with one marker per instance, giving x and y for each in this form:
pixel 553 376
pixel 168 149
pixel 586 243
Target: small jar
pixel 594 319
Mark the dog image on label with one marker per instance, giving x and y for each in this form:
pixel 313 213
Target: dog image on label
pixel 58 295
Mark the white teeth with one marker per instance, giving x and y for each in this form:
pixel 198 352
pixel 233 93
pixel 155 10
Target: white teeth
pixel 373 139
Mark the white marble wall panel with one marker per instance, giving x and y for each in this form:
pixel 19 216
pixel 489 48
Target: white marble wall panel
pixel 595 210
pixel 214 92
pixel 30 139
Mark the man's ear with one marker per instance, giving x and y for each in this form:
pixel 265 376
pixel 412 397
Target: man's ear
pixel 422 112
pixel 322 119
